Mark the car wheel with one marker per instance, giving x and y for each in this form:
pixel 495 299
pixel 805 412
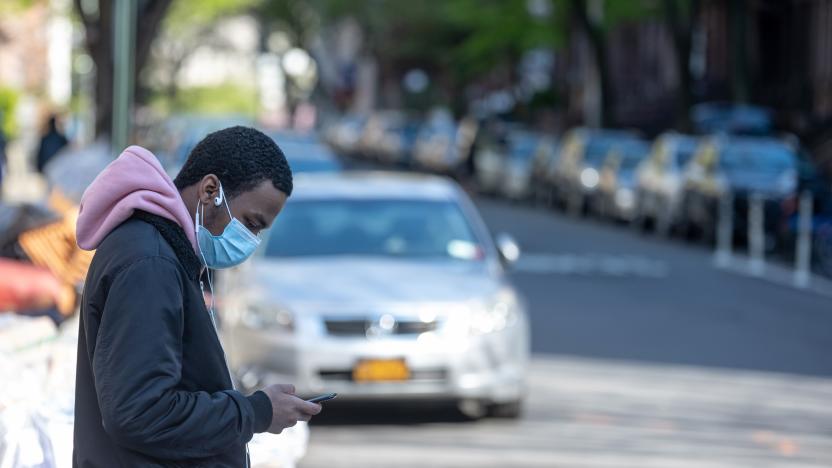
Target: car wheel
pixel 663 225
pixel 688 228
pixel 823 251
pixel 640 219
pixel 473 409
pixel 508 410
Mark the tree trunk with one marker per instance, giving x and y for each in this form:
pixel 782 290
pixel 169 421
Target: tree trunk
pixel 597 41
pixel 739 53
pixel 99 44
pixel 682 30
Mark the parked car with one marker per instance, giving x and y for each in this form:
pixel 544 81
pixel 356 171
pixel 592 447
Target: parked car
pixel 389 137
pixel 184 132
pixel 524 150
pixel 497 143
pixel 305 154
pixel 345 134
pixel 741 167
pixel 543 166
pixel 490 155
pixel 443 146
pixel 575 178
pixel 380 286
pixel 659 181
pixel 616 195
pixel 812 181
pixel 729 117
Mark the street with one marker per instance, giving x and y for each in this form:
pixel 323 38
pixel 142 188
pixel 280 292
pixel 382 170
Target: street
pixel 645 355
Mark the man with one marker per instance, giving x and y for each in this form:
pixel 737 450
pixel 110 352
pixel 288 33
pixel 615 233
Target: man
pixel 2 155
pixel 51 142
pixel 152 384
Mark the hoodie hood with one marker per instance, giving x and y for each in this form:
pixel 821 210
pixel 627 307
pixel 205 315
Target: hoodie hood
pixel 134 181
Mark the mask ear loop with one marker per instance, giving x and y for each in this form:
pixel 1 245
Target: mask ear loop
pixel 198 217
pixel 227 206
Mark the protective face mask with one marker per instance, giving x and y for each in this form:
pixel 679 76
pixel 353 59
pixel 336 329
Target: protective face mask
pixel 231 248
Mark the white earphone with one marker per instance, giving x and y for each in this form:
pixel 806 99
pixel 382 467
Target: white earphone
pixel 218 198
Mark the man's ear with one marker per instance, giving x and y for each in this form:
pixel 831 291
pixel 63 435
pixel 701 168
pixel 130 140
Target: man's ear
pixel 209 188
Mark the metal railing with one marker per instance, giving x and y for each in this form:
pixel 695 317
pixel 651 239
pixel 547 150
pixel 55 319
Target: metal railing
pixel 756 265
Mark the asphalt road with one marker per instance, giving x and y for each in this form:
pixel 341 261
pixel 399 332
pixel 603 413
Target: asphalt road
pixel 600 290
pixel 645 355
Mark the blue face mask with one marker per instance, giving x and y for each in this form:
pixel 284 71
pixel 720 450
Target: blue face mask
pixel 231 248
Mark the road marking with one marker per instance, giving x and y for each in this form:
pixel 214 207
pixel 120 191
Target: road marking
pixel 592 265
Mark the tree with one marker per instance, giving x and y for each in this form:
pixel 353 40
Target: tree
pixel 188 25
pixel 98 26
pixel 680 16
pixel 456 42
pixel 595 19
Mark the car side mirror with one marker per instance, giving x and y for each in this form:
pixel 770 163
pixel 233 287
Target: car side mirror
pixel 508 248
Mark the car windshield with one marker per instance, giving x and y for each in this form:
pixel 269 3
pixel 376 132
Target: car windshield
pixel 377 227
pixel 300 165
pixel 632 154
pixel 758 158
pixel 598 147
pixel 685 150
pixel 522 146
pixel 309 157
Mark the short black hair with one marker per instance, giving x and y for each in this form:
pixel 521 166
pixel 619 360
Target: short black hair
pixel 242 158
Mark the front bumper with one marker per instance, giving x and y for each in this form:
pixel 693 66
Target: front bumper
pixel 487 367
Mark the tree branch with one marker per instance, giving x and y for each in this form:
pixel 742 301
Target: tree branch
pixel 82 14
pixel 149 19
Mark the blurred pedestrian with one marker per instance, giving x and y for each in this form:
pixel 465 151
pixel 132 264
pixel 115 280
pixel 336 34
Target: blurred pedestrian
pixel 51 142
pixel 2 155
pixel 152 384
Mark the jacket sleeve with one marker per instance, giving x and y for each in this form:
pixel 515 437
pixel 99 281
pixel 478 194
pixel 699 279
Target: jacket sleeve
pixel 137 366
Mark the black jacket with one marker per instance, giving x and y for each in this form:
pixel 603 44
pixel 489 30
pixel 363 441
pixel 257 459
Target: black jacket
pixel 152 386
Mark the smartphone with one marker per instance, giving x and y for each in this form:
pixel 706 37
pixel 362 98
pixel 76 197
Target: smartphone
pixel 322 398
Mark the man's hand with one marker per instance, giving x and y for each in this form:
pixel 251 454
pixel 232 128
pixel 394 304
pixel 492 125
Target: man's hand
pixel 287 409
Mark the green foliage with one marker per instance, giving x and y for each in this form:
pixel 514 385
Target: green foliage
pixel 184 14
pixel 497 31
pixel 227 98
pixel 618 11
pixel 8 106
pixel 14 6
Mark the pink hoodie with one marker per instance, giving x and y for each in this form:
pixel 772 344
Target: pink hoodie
pixel 134 181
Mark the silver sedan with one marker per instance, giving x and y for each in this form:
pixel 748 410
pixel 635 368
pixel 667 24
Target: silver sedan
pixel 380 286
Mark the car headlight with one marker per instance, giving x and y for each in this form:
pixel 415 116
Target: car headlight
pixel 624 198
pixel 589 178
pixel 273 318
pixel 496 316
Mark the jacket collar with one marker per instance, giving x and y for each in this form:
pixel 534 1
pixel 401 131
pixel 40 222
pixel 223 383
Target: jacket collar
pixel 176 238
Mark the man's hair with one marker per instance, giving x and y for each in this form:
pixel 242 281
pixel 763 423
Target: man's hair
pixel 241 157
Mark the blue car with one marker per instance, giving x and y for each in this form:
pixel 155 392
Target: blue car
pixel 306 154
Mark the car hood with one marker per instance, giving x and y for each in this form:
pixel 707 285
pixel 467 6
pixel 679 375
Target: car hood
pixel 626 179
pixel 753 182
pixel 357 282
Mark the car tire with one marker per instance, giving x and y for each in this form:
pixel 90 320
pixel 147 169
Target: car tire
pixel 663 225
pixel 823 251
pixel 508 410
pixel 689 230
pixel 473 409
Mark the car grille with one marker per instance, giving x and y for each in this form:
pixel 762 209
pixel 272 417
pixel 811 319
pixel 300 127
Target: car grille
pixel 360 327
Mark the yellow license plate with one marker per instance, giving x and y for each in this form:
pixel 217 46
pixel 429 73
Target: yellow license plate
pixel 381 370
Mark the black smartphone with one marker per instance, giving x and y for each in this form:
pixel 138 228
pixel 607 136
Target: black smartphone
pixel 322 398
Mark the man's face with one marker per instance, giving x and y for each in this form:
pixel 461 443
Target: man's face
pixel 256 208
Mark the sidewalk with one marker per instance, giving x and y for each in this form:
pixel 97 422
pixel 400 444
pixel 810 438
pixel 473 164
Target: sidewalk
pixel 20 184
